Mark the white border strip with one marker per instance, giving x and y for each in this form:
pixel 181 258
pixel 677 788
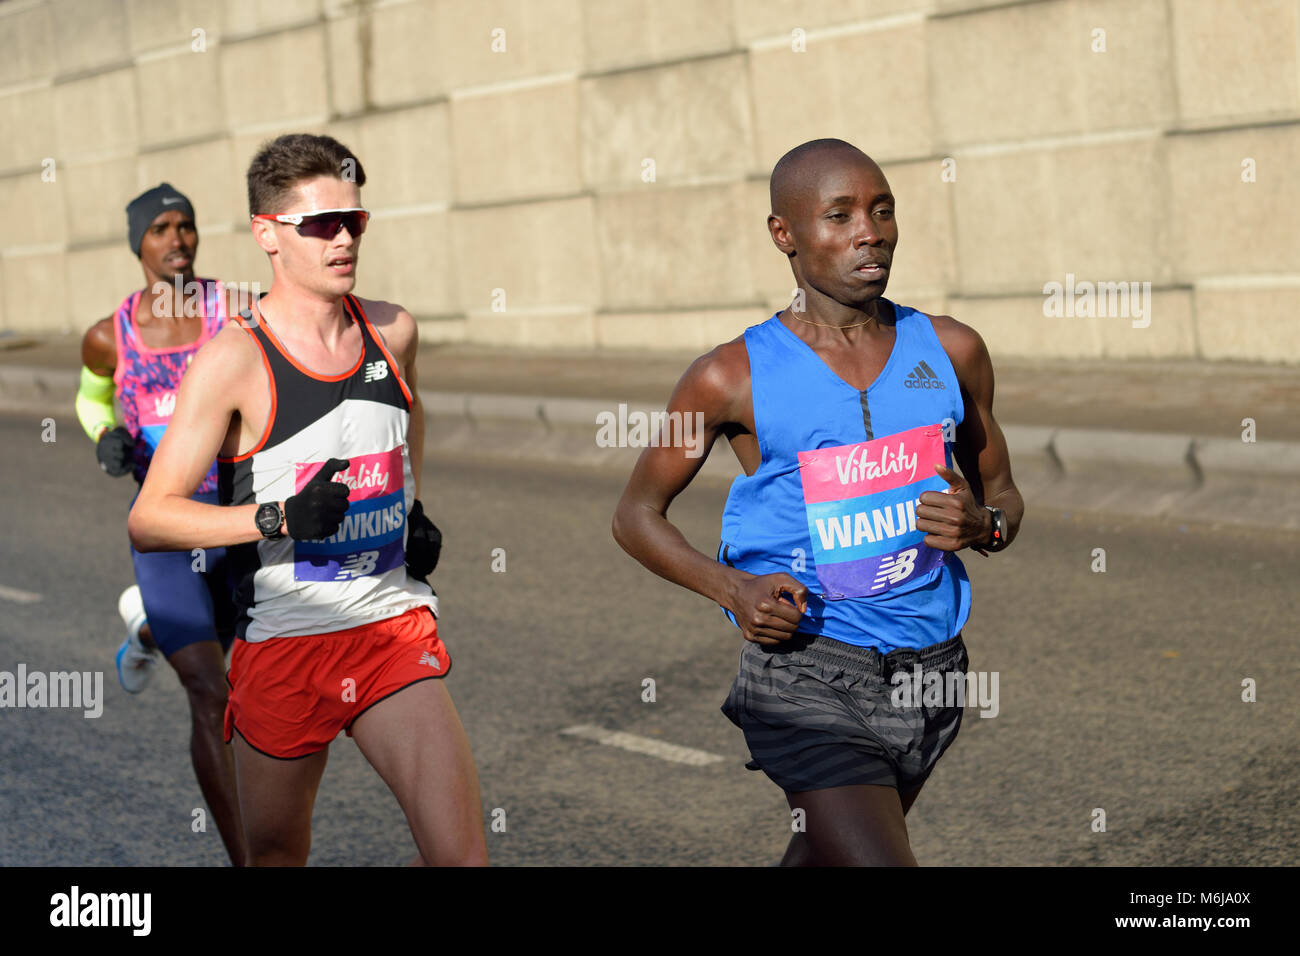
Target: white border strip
pixel 510 86
pixel 1263 281
pixel 1099 138
pixel 812 35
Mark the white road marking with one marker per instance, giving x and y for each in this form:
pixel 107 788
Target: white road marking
pixel 644 745
pixel 18 595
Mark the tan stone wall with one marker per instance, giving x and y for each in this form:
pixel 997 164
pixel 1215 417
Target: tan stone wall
pixel 600 181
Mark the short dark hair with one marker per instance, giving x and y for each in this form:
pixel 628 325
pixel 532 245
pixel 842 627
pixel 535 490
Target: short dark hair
pixel 791 171
pixel 287 160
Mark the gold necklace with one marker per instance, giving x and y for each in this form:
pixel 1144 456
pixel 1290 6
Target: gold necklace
pixel 827 325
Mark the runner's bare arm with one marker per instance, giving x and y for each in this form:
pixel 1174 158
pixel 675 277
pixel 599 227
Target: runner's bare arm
pixel 981 447
pixel 99 349
pixel 415 432
pixel 405 350
pixel 400 334
pixel 641 526
pixel 164 518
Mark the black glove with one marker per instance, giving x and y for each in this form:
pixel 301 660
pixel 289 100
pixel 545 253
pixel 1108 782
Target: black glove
pixel 116 451
pixel 317 511
pixel 423 543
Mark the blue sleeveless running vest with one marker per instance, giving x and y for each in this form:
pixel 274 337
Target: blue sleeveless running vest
pixel 833 500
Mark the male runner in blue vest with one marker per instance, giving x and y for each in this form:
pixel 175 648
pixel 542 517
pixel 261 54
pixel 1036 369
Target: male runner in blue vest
pixel 846 412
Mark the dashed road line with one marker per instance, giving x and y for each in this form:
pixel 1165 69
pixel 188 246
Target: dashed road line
pixel 18 596
pixel 644 745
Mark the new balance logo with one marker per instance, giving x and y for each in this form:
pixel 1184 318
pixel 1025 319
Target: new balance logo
pixel 895 568
pixel 376 370
pixel 357 565
pixel 427 658
pixel 923 377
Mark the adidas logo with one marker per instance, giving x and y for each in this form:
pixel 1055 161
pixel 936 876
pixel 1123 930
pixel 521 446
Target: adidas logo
pixel 427 658
pixel 923 377
pixel 376 370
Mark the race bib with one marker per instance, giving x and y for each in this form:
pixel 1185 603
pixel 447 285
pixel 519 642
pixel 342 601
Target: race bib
pixel 154 409
pixel 861 506
pixel 370 539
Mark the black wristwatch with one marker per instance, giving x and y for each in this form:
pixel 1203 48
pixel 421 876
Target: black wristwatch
pixel 998 533
pixel 269 518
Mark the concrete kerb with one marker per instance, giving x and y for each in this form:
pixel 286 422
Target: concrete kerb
pixel 1132 472
pixel 1141 473
pixel 552 429
pixel 1075 447
pixel 1034 440
pixel 1228 456
pixel 559 412
pixel 1035 467
pixel 1127 472
pixel 25 387
pixel 1246 482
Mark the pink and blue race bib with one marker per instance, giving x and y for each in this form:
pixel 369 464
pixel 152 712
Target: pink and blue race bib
pixel 370 539
pixel 861 505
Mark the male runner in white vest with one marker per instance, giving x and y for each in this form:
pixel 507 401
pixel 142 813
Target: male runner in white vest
pixel 310 406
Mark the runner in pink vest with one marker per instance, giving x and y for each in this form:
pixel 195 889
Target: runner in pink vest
pixel 181 603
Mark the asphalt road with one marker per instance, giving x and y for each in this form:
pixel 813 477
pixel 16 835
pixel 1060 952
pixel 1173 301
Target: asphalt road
pixel 1118 690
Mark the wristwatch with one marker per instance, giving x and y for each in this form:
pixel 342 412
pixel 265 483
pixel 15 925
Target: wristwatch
pixel 269 517
pixel 998 533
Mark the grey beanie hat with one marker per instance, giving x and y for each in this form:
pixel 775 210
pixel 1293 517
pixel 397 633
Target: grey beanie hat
pixel 146 207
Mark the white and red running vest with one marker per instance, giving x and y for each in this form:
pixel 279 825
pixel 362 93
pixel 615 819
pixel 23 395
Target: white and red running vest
pixel 288 588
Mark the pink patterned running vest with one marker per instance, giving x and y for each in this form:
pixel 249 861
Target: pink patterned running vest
pixel 147 378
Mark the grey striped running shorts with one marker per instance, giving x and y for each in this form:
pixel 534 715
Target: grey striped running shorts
pixel 820 713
